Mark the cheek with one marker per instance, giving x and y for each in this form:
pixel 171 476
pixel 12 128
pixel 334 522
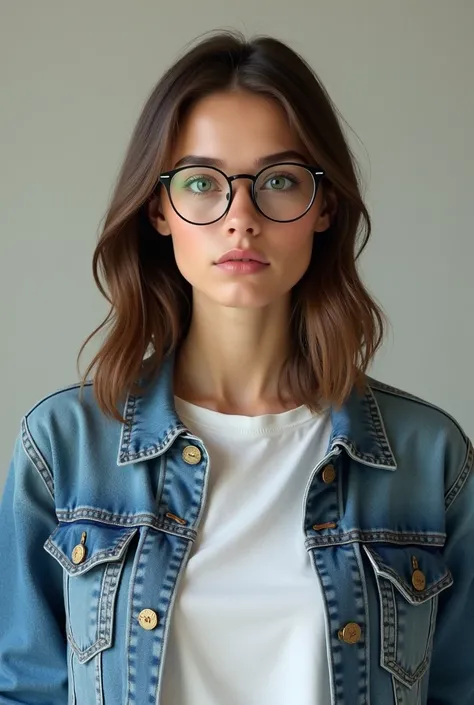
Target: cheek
pixel 188 247
pixel 296 244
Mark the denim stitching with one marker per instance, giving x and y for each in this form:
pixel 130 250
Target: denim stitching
pixel 365 685
pixel 415 597
pixel 357 578
pixel 461 479
pixel 406 678
pixel 36 458
pixel 434 612
pixel 391 643
pixel 381 386
pixel 134 521
pixel 356 535
pixel 136 597
pixel 95 604
pixel 98 680
pixel 124 454
pixel 54 394
pixel 126 434
pixel 166 603
pixel 388 618
pixel 131 641
pixel 112 595
pixel 363 457
pixel 67 515
pixel 390 634
pixel 86 654
pixel 99 557
pixel 399 693
pixel 107 596
pixel 156 449
pixel 109 585
pixel 333 618
pixel 378 424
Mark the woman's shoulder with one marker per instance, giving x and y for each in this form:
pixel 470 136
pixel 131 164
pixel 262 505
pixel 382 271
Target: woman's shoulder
pixel 424 428
pixel 66 414
pixel 70 400
pixel 399 404
pixel 65 433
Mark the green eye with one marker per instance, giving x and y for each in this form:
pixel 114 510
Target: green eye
pixel 198 184
pixel 280 182
pixel 277 183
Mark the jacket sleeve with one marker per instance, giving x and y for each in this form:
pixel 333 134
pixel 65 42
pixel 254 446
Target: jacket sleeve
pixel 451 680
pixel 33 662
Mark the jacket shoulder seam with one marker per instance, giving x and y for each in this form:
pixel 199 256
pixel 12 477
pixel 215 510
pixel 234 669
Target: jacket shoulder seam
pixel 62 390
pixel 462 477
pixel 37 459
pixel 382 387
pixel 467 464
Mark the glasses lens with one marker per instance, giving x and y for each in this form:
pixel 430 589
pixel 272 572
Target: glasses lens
pixel 199 194
pixel 284 191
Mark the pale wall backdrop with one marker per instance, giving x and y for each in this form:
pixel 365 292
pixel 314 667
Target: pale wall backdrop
pixel 74 76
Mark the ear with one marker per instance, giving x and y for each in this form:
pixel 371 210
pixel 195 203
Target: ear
pixel 327 212
pixel 156 216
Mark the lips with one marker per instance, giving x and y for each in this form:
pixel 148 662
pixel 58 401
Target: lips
pixel 235 259
pixel 242 256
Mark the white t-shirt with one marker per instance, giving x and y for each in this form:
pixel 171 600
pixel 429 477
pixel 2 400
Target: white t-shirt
pixel 248 624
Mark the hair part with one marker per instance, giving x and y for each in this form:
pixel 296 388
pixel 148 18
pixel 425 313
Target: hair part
pixel 336 326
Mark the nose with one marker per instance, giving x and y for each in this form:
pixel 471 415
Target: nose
pixel 242 217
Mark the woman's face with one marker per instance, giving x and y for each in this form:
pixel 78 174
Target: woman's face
pixel 239 130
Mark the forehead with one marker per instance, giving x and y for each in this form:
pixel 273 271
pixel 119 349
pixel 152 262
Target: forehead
pixel 236 127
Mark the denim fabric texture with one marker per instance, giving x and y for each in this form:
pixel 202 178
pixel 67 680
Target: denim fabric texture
pixel 402 500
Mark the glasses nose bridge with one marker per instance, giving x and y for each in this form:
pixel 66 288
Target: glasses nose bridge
pixel 234 177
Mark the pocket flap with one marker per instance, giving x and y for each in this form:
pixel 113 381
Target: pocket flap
pixel 396 564
pixel 103 543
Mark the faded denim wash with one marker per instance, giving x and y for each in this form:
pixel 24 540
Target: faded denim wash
pixel 402 500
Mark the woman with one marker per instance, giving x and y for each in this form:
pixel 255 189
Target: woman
pixel 232 511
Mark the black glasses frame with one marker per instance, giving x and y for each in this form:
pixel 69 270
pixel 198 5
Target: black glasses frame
pixel 316 172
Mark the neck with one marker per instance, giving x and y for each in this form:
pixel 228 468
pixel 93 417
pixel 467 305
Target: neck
pixel 232 358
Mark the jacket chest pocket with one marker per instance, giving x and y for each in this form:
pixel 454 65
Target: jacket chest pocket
pixel 409 580
pixel 92 557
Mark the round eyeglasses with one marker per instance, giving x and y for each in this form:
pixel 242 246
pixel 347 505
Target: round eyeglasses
pixel 202 195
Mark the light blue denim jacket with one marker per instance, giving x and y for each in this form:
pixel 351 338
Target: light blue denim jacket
pixel 391 538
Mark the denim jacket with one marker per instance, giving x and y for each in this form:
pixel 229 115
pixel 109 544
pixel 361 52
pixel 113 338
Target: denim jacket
pixel 98 518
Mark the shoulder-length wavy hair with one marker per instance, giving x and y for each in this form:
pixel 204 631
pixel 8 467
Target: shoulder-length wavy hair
pixel 336 325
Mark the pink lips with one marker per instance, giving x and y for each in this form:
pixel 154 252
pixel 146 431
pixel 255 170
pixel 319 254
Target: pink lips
pixel 252 255
pixel 239 267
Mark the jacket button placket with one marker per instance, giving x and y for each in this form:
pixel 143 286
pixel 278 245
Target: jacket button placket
pixel 160 559
pixel 339 566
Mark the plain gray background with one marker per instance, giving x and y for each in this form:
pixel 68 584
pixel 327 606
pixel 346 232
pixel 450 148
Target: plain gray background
pixel 74 76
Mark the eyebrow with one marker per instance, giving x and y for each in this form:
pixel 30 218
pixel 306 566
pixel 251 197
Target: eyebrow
pixel 289 155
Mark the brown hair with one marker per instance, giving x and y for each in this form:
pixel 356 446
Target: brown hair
pixel 336 326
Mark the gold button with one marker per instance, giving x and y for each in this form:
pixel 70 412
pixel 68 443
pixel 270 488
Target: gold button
pixel 329 474
pixel 148 619
pixel 191 455
pixel 351 633
pixel 418 580
pixel 417 577
pixel 78 554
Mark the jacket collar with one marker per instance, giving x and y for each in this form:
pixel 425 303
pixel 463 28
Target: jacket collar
pixel 152 424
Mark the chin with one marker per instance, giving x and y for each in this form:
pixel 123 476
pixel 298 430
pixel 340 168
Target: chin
pixel 246 301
